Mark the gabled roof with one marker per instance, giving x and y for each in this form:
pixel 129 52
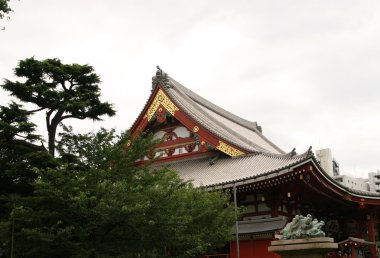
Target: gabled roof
pixel 226 126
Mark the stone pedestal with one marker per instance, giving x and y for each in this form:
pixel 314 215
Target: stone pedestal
pixel 300 248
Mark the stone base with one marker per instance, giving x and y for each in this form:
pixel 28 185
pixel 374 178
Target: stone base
pixel 301 248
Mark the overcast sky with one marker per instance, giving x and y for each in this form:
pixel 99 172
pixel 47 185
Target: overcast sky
pixel 306 71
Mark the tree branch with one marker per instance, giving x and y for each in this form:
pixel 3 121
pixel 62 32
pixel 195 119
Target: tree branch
pixel 21 136
pixel 36 110
pixel 72 84
pixel 71 116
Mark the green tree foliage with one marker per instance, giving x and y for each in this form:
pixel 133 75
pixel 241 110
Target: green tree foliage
pixel 4 11
pixel 62 90
pixel 100 204
pixel 16 129
pixel 4 8
pixel 19 157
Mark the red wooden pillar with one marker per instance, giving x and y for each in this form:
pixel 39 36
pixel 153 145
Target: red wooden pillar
pixel 371 235
pixel 353 251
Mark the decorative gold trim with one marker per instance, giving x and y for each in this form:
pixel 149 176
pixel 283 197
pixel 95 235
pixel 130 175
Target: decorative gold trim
pixel 229 150
pixel 162 99
pixel 195 129
pixel 347 197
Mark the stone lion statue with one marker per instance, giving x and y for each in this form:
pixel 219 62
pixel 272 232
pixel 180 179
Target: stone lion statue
pixel 303 227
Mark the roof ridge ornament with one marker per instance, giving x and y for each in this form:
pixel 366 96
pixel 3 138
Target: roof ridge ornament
pixel 213 160
pixel 160 78
pixel 310 151
pixel 293 153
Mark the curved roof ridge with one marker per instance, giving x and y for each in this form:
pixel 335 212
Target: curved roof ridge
pixel 347 189
pixel 268 141
pixel 183 91
pixel 361 192
pixel 219 110
pixel 253 126
pixel 244 144
pixel 161 77
pixel 289 155
pixel 142 110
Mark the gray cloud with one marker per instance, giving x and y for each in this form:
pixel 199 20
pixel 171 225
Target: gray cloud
pixel 307 71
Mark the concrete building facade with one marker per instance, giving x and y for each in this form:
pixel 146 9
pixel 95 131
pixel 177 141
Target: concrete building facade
pixel 374 181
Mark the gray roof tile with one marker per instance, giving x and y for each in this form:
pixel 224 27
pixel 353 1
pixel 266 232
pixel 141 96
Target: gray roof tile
pixel 225 169
pixel 248 227
pixel 229 127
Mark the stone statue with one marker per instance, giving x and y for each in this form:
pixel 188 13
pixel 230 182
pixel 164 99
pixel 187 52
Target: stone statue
pixel 302 227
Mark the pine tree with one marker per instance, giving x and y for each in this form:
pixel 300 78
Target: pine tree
pixel 63 90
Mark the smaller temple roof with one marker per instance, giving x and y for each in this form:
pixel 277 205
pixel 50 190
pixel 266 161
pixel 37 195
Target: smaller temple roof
pixel 218 170
pixel 250 227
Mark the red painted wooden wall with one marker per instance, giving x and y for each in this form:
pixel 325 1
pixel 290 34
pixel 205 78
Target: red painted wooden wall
pixel 253 249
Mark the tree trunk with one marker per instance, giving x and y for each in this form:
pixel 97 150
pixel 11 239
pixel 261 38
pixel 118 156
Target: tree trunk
pixel 52 129
pixel 51 134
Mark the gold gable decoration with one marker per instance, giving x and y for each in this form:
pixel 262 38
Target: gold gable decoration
pixel 229 150
pixel 160 99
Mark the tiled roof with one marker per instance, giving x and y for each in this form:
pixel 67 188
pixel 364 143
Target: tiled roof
pixel 227 126
pixel 212 171
pixel 253 134
pixel 356 191
pixel 360 192
pixel 249 227
pixel 265 158
pixel 204 102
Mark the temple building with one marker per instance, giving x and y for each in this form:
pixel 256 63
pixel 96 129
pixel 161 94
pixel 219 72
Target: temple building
pixel 218 150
